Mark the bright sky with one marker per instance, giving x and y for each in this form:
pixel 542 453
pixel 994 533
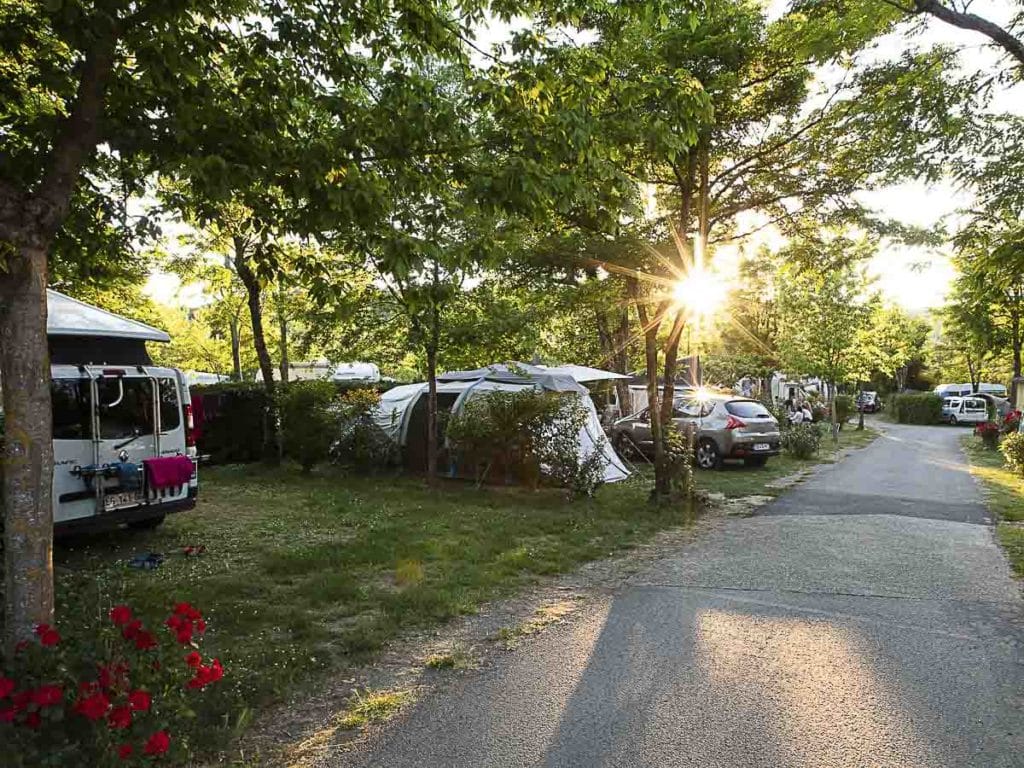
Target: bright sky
pixel 914 277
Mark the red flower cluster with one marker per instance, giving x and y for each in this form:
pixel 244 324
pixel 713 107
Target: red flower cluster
pixel 48 636
pixel 205 674
pixel 986 428
pixel 185 622
pixel 109 701
pixel 1011 421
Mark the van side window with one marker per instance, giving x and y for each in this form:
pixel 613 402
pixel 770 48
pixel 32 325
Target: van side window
pixel 72 418
pixel 170 412
pixel 125 416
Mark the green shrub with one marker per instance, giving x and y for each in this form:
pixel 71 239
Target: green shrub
pixel 526 435
pixel 309 423
pixel 360 442
pixel 1012 449
pixel 801 440
pixel 844 407
pixel 925 408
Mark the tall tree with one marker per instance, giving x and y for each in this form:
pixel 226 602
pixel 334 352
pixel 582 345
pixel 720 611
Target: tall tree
pixel 825 310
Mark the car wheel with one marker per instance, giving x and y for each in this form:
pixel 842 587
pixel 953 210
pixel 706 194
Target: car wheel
pixel 954 421
pixel 755 461
pixel 708 455
pixel 146 524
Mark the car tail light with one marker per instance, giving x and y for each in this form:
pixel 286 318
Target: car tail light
pixel 734 423
pixel 190 427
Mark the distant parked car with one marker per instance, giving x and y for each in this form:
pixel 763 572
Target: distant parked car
pixel 964 410
pixel 869 402
pixel 728 427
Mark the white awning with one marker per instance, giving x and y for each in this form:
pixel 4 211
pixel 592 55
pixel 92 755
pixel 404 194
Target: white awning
pixel 582 373
pixel 70 317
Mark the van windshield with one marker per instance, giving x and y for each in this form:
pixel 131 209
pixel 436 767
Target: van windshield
pixel 125 416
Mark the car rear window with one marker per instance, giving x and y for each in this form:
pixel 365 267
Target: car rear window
pixel 72 411
pixel 747 409
pixel 170 412
pixel 126 407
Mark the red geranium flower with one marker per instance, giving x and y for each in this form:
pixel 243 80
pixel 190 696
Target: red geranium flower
pixel 48 636
pixel 120 615
pixel 21 699
pixel 7 687
pixel 120 717
pixel 194 659
pixel 188 611
pixel 48 696
pixel 140 701
pixel 145 640
pixel 114 675
pixel 93 707
pixel 32 720
pixel 7 714
pixel 185 635
pixel 158 743
pixel 125 751
pixel 206 675
pixel 200 626
pixel 131 629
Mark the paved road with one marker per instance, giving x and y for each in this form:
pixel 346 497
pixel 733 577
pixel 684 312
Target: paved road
pixel 866 618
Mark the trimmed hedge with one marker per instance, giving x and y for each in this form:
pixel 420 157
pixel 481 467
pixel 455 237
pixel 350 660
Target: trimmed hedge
pixel 234 417
pixel 925 408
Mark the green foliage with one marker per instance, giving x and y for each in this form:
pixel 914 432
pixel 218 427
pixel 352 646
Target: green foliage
pixel 526 434
pixel 309 421
pixel 802 441
pixel 824 309
pixel 844 407
pixel 360 442
pixel 1012 448
pixel 924 408
pixel 680 461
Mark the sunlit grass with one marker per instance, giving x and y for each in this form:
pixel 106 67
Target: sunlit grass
pixel 1004 495
pixel 303 575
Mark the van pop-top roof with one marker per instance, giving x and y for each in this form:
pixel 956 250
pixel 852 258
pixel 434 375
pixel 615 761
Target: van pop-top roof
pixel 81 334
pixel 70 317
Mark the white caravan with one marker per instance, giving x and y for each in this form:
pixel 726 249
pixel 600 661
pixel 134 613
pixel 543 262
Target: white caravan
pixel 122 427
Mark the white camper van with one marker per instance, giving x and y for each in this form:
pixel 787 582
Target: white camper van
pixel 122 427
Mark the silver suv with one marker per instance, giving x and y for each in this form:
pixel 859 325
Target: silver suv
pixel 728 427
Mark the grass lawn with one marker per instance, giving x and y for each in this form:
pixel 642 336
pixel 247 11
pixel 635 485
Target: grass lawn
pixel 1004 494
pixel 734 479
pixel 303 574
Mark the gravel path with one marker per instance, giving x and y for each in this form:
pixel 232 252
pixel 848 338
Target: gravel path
pixel 865 618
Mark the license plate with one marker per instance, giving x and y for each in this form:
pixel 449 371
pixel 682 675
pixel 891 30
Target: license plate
pixel 761 446
pixel 121 500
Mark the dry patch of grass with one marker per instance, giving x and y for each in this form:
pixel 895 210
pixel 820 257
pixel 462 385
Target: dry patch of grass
pixel 543 617
pixel 367 707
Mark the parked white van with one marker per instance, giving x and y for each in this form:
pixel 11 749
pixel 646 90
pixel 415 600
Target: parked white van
pixel 122 427
pixel 965 410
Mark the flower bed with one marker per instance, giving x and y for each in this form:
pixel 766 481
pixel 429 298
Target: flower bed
pixel 115 697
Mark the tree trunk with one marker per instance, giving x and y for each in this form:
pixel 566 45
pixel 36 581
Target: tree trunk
pixel 1016 342
pixel 834 412
pixel 662 481
pixel 27 446
pixel 282 325
pixel 615 346
pixel 253 295
pixel 433 341
pixel 236 349
pixel 253 292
